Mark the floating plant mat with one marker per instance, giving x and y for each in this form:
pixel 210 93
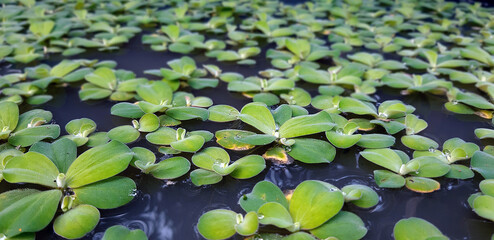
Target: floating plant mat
pixel 227 119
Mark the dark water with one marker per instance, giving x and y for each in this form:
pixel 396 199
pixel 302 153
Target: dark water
pixel 170 210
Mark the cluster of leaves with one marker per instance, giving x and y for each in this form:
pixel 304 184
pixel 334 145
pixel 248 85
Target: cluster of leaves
pixel 33 29
pixel 76 184
pixel 314 207
pixel 428 162
pixel 483 203
pixel 415 47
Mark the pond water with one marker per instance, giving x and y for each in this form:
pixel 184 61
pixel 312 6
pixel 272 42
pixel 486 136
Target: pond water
pixel 170 210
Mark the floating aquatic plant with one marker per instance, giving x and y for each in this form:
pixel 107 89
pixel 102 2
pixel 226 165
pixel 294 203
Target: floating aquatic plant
pixel 313 207
pixel 416 228
pixel 283 129
pixel 119 232
pixel 214 163
pixel 75 184
pixel 331 60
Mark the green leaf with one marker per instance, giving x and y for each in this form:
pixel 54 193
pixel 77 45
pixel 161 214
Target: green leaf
pixel 257 139
pixel 363 57
pixel 417 229
pixel 39 99
pixel 248 166
pixel 80 129
pixel 127 110
pixel 77 222
pixel 156 92
pixel 345 225
pixel 387 179
pixel 23 236
pixel 306 125
pixel 162 136
pixel 342 140
pixel 460 172
pixel 299 47
pixel 188 113
pixel 273 213
pixel 98 163
pixel 428 166
pixel 484 133
pixel 97 139
pixel 263 192
pixel 376 140
pixel 367 197
pixel 487 187
pixel 484 206
pixel 149 123
pixel 119 232
pixel 171 168
pixel 299 236
pixel 483 163
pixel 223 113
pixel 103 77
pixel 92 92
pixel 21 210
pixel 463 77
pixel 41 29
pixel 420 143
pixel 422 184
pixel 258 116
pixel 201 177
pixel 267 98
pixel 189 144
pixel 144 156
pixel 314 202
pixel 31 167
pixel 310 150
pixel 383 157
pixel 9 116
pixel 391 127
pixel 248 225
pixel 29 136
pixel 124 134
pixel 64 68
pixel 458 108
pixel 476 53
pixel 210 156
pixel 217 224
pixel 61 152
pixel 414 125
pixel 314 76
pixel 355 106
pixel 475 100
pixel 107 194
pixel 228 56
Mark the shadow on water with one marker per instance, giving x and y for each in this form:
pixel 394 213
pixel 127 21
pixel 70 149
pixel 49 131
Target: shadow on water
pixel 170 210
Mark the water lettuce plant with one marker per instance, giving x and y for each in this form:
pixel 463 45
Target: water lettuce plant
pixel 481 203
pixel 169 168
pixel 311 82
pixel 27 128
pixel 179 140
pixel 422 169
pixel 214 163
pixel 283 130
pixel 119 232
pixel 416 228
pixel 75 182
pixel 184 69
pixel 157 97
pixel 313 207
